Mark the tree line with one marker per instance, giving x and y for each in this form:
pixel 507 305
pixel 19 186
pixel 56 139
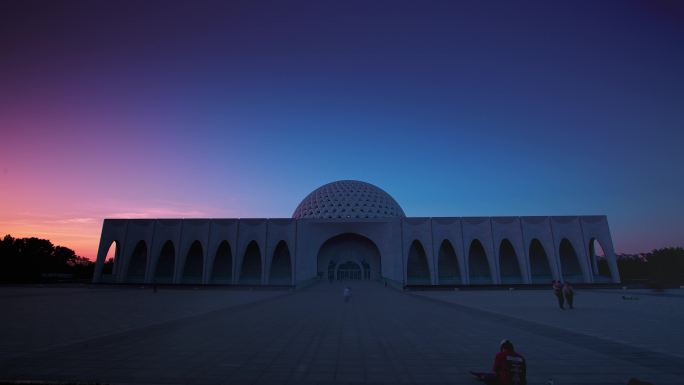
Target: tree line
pixel 659 268
pixel 37 260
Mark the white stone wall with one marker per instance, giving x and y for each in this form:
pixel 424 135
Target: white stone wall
pixel 539 228
pixel 596 227
pixel 509 228
pixel 479 228
pixel 280 230
pixel 392 236
pixel 449 229
pixel 164 230
pixel 568 227
pixel 221 230
pixel 419 229
pixel 250 230
pixel 136 231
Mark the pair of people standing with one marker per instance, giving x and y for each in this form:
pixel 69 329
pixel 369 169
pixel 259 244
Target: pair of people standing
pixel 564 293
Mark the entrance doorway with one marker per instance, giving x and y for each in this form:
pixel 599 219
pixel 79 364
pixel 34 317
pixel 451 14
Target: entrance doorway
pixel 349 257
pixel 349 271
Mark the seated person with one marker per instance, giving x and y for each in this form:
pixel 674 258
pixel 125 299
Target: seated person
pixel 509 367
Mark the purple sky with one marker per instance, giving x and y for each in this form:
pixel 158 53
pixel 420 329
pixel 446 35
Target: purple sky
pixel 240 109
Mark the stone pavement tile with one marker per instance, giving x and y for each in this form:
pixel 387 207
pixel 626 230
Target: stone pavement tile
pixel 243 377
pixel 349 376
pixel 428 378
pixel 274 377
pixel 322 376
pixel 306 338
pixel 378 375
pixel 650 323
pixel 280 368
pixel 25 331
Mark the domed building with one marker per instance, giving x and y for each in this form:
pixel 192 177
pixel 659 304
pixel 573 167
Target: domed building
pixel 352 230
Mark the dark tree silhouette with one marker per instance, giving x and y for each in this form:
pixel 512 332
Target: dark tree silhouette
pixel 33 259
pixel 108 266
pixel 666 266
pixel 632 268
pixel 661 267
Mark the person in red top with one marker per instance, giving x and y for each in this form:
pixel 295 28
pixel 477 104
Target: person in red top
pixel 509 367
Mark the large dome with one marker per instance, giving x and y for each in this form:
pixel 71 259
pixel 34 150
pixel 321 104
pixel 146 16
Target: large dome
pixel 348 199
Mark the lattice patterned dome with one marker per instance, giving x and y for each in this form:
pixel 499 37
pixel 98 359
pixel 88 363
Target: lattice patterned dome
pixel 348 199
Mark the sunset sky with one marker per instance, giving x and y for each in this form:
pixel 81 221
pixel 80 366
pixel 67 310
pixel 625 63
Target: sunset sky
pixel 191 109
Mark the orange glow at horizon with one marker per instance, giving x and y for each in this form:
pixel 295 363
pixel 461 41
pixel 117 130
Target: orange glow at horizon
pixel 80 234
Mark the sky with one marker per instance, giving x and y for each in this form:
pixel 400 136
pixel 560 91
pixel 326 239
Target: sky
pixel 159 109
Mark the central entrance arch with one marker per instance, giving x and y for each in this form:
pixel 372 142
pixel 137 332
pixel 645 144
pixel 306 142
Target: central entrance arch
pixel 349 256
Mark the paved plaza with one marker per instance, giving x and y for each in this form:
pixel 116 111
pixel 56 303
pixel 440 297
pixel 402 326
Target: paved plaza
pixel 123 335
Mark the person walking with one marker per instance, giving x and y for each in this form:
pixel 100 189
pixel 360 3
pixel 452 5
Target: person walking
pixel 346 294
pixel 558 292
pixel 569 294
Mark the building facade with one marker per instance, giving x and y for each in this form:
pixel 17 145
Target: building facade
pixel 350 230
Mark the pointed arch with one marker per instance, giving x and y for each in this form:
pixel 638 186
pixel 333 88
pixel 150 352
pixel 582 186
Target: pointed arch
pixel 599 264
pixel 540 268
pixel 222 270
pixel 417 268
pixel 112 258
pixel 137 266
pixel 281 266
pixel 508 263
pixel 166 264
pixel 570 267
pixel 478 265
pixel 250 271
pixel 194 264
pixel 447 265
